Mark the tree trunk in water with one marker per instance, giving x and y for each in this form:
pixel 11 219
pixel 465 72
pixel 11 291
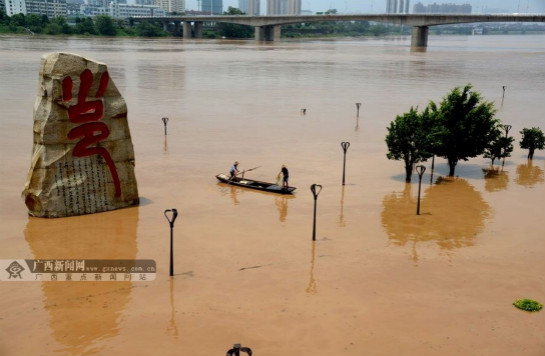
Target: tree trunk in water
pixel 452 166
pixel 408 172
pixel 531 153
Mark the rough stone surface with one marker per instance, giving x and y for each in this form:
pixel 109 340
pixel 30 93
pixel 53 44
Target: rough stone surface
pixel 82 157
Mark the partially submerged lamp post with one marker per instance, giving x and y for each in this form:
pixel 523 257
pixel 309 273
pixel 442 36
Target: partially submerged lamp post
pixel 237 348
pixel 315 189
pixel 173 215
pixel 420 170
pixel 165 121
pixel 358 105
pixel 345 146
pixel 507 128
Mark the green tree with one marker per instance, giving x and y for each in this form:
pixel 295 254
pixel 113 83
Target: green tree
pixel 65 28
pixel 500 147
pixel 104 25
pixel 53 29
pixel 409 140
pixel 532 139
pixel 464 125
pixel 85 26
pixel 148 29
pixel 18 20
pixel 4 18
pixel 35 23
pixel 230 30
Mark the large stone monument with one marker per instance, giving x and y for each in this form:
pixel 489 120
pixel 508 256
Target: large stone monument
pixel 82 157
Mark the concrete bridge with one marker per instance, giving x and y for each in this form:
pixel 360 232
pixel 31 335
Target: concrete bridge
pixel 267 28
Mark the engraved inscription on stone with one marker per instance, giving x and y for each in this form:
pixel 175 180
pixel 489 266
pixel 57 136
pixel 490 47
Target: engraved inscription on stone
pixel 82 157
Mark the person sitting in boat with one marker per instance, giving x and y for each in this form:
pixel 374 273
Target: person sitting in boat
pixel 234 170
pixel 285 176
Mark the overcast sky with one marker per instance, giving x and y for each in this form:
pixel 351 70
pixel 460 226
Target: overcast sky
pixel 379 6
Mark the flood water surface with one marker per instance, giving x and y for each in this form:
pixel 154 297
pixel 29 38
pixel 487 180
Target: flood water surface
pixel 378 280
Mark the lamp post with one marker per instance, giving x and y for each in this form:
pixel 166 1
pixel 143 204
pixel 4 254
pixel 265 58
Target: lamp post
pixel 358 109
pixel 345 146
pixel 171 219
pixel 315 189
pixel 507 128
pixel 420 170
pixel 165 121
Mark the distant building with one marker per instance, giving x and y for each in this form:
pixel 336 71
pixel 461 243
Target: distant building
pixel 14 7
pixel 249 7
pixel 51 8
pixel 2 5
pixel 170 6
pixel 435 8
pixel 283 7
pixel 124 11
pixel 210 7
pixel 397 6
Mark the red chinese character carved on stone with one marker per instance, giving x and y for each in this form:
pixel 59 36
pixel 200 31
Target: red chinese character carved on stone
pixel 88 113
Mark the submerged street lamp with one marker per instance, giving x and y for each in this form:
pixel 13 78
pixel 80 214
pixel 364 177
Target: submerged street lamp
pixel 165 121
pixel 420 170
pixel 507 128
pixel 173 215
pixel 315 189
pixel 345 146
pixel 358 108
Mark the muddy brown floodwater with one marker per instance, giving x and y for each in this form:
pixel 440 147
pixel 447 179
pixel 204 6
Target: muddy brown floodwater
pixel 379 280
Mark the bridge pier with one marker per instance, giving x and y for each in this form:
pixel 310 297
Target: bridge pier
pixel 267 33
pixel 198 29
pixel 419 36
pixel 187 30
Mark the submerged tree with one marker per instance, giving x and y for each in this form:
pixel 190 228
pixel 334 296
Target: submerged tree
pixel 500 147
pixel 408 139
pixel 532 139
pixel 464 125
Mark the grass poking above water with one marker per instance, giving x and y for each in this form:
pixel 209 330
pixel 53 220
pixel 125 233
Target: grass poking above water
pixel 528 305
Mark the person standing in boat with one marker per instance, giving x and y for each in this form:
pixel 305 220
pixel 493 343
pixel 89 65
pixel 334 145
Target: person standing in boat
pixel 285 176
pixel 234 170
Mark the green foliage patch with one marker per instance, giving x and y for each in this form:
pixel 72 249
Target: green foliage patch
pixel 528 305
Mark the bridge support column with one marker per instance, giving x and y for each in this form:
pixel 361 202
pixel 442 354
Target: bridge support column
pixel 267 33
pixel 419 36
pixel 165 26
pixel 177 28
pixel 198 29
pixel 187 29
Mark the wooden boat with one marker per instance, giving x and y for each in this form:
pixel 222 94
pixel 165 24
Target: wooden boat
pixel 254 184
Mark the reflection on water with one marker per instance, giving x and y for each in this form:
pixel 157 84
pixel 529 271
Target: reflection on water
pixel 529 175
pixel 282 205
pixel 172 328
pixel 233 193
pixel 452 215
pixel 84 313
pixel 280 201
pixel 165 146
pixel 342 223
pixel 311 288
pixel 495 179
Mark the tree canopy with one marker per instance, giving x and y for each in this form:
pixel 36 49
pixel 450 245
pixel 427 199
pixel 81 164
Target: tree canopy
pixel 464 125
pixel 408 140
pixel 532 139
